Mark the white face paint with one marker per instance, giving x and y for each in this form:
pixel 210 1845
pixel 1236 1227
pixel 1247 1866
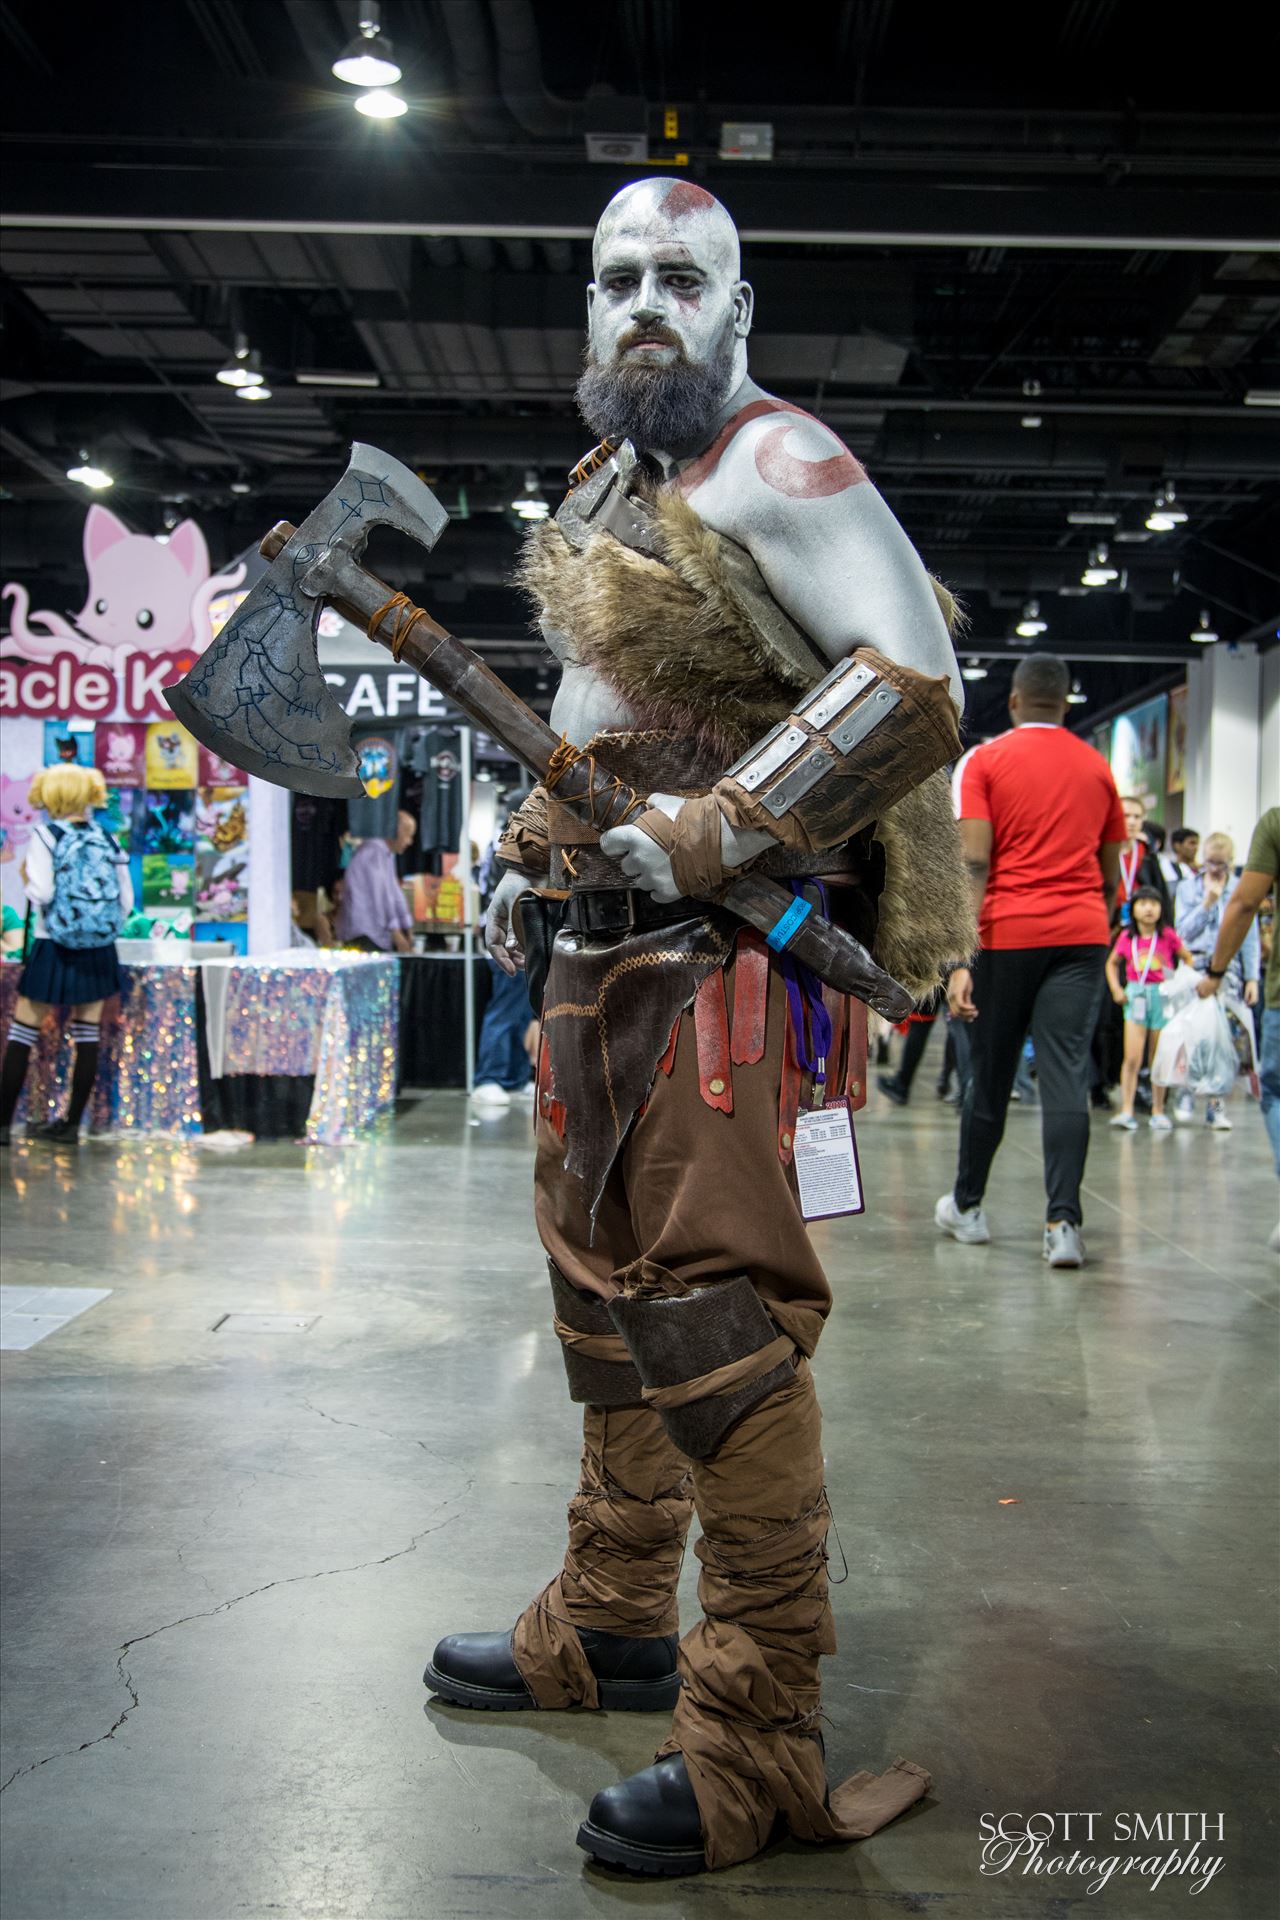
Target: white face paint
pixel 667 264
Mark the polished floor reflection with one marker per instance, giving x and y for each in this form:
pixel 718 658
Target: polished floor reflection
pixel 320 1420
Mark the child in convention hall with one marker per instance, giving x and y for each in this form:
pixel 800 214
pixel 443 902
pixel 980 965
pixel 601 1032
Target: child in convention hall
pixel 77 879
pixel 1145 955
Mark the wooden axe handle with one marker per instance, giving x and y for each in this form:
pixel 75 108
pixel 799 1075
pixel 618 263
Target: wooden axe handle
pixel 414 637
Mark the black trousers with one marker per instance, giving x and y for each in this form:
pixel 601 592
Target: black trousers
pixel 1055 992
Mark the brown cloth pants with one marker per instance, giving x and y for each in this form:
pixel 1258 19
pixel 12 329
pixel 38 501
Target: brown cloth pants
pixel 699 1196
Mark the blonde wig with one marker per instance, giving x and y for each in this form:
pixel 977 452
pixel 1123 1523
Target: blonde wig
pixel 64 792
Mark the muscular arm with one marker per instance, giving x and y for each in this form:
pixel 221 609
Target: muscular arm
pixel 830 549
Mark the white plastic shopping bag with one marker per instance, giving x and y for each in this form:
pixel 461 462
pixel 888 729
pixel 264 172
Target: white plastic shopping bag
pixel 1195 1051
pixel 1179 988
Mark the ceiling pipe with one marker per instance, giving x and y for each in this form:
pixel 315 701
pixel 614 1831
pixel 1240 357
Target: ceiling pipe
pixel 475 89
pixel 520 74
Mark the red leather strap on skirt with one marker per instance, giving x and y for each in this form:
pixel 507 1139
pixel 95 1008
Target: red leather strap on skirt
pixel 750 998
pixel 711 1030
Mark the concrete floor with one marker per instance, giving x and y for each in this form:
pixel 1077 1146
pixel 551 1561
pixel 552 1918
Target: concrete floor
pixel 227 1550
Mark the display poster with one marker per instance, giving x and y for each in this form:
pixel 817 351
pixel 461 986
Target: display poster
pixel 1101 738
pixel 172 760
pixel 217 772
pixel 68 743
pixel 1177 782
pixel 121 749
pixel 169 821
pixel 121 816
pixel 1138 751
pixel 222 854
pixel 167 883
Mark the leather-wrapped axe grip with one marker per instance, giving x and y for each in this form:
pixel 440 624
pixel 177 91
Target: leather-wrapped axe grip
pixel 789 923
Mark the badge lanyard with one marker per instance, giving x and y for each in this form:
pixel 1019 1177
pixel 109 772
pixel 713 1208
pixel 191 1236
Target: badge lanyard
pixel 1126 883
pixel 825 1152
pixel 1138 1005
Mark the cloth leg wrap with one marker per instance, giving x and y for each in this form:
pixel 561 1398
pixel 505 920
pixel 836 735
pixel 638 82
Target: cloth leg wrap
pixel 748 1711
pixel 596 1360
pixel 705 1356
pixel 627 1527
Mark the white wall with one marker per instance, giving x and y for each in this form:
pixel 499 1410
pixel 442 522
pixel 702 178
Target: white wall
pixel 1224 744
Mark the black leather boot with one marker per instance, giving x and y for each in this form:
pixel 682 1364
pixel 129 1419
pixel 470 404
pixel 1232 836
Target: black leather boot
pixel 479 1670
pixel 648 1824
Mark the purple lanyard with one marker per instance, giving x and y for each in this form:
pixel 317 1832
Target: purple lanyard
pixel 804 992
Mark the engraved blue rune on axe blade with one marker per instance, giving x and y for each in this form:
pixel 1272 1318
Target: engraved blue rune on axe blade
pixel 257 696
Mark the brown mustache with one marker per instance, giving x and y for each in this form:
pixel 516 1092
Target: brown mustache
pixel 658 334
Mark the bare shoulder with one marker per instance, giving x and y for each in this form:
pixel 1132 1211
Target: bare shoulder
pixel 770 460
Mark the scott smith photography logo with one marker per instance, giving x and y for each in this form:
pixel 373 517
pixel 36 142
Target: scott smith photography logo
pixel 1086 1847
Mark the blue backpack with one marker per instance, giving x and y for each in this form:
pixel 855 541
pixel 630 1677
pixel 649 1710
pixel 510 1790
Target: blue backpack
pixel 85 910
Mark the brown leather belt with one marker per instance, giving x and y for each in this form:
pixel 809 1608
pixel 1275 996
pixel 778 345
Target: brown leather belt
pixel 624 910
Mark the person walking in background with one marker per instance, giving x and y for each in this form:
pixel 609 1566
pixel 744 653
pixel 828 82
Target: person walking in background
pixel 1183 858
pixel 1237 922
pixel 1042 827
pixel 77 877
pixel 919 1024
pixel 1201 904
pixel 1145 955
pixel 1139 863
pixel 373 914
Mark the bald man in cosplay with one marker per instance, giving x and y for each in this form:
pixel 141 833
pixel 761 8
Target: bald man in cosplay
pixel 720 555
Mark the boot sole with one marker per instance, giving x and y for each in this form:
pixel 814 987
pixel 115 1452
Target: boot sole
pixel 635 1857
pixel 616 1696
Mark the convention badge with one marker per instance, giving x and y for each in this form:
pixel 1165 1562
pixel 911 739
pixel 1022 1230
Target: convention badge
pixel 1138 1009
pixel 826 1162
pixel 1126 915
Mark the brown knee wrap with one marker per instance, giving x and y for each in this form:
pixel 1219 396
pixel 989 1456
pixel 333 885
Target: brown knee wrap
pixel 705 1357
pixel 600 1370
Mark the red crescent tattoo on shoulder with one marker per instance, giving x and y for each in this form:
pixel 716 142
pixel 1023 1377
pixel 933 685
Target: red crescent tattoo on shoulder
pixel 804 479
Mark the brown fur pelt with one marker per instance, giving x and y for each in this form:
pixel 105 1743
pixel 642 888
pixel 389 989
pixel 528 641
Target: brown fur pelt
pixel 670 637
pixel 674 640
pixel 926 918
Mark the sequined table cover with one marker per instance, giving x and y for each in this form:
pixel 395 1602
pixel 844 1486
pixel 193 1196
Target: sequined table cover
pixel 335 1016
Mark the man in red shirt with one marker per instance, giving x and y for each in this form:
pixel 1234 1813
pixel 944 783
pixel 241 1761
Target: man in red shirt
pixel 1042 827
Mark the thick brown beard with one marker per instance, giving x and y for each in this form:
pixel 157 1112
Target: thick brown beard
pixel 656 407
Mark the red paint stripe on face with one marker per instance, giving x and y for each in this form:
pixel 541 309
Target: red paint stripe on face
pixel 685 198
pixel 804 479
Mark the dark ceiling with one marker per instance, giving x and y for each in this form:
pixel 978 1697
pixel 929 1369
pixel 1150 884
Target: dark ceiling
pixel 1063 213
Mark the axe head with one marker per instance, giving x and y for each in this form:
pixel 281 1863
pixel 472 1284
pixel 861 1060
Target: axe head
pixel 257 696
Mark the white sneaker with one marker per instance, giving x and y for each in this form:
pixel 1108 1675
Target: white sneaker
pixel 1216 1118
pixel 526 1094
pixel 1125 1121
pixel 490 1094
pixel 969 1227
pixel 1160 1123
pixel 1184 1111
pixel 1063 1245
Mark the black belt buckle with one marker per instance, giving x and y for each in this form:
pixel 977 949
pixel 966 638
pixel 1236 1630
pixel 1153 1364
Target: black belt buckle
pixel 604 910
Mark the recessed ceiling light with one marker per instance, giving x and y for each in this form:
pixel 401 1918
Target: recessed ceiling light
pixel 1032 420
pixel 368 60
pixel 381 106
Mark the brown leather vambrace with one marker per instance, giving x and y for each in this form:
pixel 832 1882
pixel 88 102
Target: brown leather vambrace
pixel 705 1357
pixel 855 745
pixel 600 1370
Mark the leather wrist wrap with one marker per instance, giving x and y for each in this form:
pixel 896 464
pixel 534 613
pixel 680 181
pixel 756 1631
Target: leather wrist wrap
pixel 856 744
pixel 692 840
pixel 526 843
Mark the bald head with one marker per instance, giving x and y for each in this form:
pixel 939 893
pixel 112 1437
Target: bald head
pixel 667 317
pixel 671 211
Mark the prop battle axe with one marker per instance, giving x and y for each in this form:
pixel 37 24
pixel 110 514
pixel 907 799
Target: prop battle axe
pixel 258 698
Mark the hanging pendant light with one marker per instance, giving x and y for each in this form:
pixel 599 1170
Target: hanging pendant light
pixel 369 60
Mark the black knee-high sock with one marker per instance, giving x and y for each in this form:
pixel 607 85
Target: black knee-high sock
pixel 85 1034
pixel 17 1055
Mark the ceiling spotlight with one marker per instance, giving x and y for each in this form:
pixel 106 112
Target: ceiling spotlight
pixel 1031 389
pixel 1166 514
pixel 1031 625
pixel 1203 630
pixel 531 504
pixel 1032 420
pixel 1098 573
pixel 97 479
pixel 381 106
pixel 242 369
pixel 973 669
pixel 241 485
pixel 253 393
pixel 1077 695
pixel 369 60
